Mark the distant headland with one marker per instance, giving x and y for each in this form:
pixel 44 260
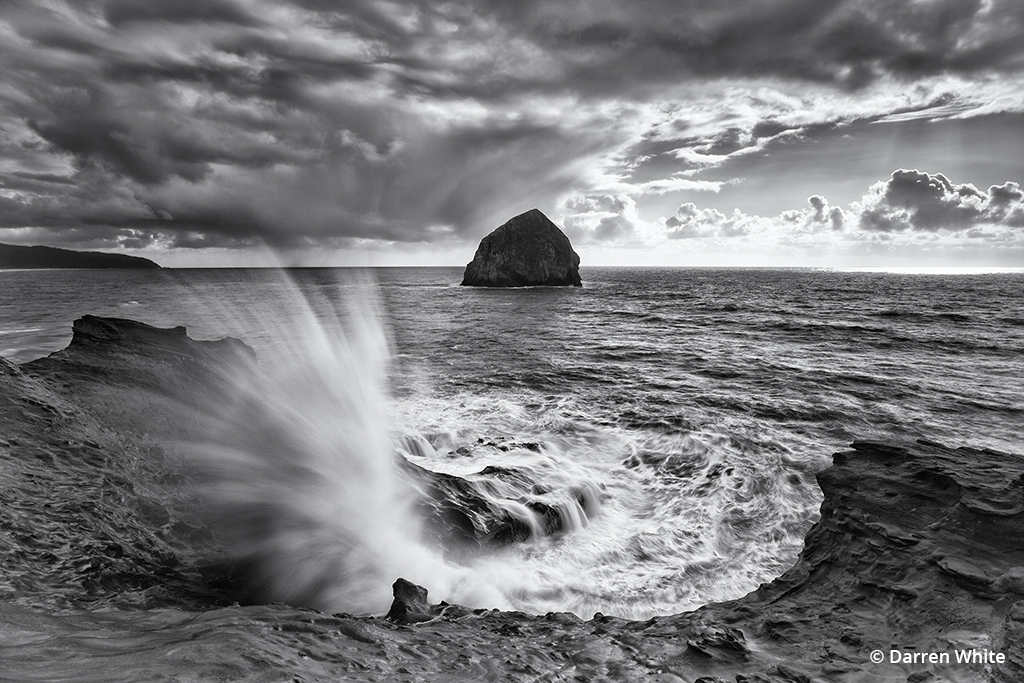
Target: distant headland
pixel 13 256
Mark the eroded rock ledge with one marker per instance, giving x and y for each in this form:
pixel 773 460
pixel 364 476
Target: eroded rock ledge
pixel 920 547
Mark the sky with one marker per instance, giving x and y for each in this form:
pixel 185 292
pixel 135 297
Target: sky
pixel 840 133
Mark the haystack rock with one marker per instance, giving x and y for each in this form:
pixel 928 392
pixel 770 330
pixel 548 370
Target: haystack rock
pixel 528 250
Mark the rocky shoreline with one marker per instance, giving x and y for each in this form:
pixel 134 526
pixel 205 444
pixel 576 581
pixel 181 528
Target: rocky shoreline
pixel 919 549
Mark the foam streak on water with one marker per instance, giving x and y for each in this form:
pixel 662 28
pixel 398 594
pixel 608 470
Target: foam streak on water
pixel 677 521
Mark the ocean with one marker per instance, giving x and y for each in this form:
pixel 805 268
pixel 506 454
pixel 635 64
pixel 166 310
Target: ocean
pixel 689 408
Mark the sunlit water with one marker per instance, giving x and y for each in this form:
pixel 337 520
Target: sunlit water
pixel 693 407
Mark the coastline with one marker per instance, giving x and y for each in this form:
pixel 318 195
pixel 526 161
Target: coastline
pixel 914 552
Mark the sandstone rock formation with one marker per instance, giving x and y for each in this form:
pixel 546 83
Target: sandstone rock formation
pixel 528 250
pixel 82 427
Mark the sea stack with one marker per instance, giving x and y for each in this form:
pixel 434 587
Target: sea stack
pixel 528 250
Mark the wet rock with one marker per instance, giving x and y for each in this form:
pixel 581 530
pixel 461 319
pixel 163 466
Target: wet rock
pixel 410 605
pixel 528 250
pixel 460 516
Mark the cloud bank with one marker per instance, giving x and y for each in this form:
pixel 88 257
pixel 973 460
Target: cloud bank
pixel 910 212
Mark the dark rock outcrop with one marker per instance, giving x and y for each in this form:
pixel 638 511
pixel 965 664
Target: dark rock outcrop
pixel 126 335
pixel 15 256
pixel 528 250
pixel 461 518
pixel 410 605
pixel 115 352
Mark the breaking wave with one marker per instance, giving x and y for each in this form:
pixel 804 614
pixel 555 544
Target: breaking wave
pixel 304 481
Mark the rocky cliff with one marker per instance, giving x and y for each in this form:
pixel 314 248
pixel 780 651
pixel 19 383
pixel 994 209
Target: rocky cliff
pixel 528 250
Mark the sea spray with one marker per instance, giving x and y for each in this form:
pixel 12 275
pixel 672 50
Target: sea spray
pixel 298 471
pixel 306 500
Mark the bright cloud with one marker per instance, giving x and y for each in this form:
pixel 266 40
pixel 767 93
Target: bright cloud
pixel 912 210
pixel 915 201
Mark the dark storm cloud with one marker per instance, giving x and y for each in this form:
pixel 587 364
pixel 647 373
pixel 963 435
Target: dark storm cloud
pixel 1005 198
pixel 121 12
pixel 198 118
pixel 215 122
pixel 615 44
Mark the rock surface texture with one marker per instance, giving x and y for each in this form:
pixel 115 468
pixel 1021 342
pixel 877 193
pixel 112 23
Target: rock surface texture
pixel 919 549
pixel 87 426
pixel 528 250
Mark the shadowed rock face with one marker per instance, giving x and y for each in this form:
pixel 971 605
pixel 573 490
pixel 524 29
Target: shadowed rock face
pixel 460 518
pixel 528 250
